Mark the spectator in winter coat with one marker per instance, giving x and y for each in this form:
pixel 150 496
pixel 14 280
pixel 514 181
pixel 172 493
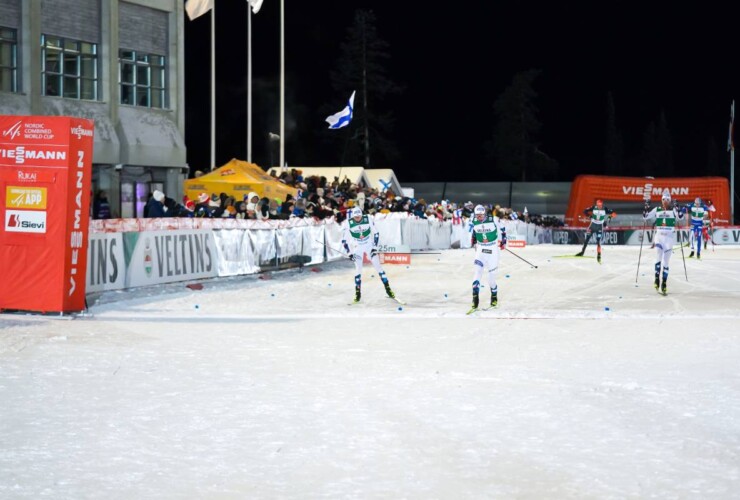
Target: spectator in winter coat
pixel 101 207
pixel 155 206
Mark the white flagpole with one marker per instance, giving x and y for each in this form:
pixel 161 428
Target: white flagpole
pixel 732 164
pixel 213 86
pixel 282 83
pixel 249 83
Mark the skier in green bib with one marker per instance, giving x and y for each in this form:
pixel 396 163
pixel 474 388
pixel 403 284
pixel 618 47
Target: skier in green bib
pixel 489 237
pixel 599 214
pixel 361 231
pixel 666 217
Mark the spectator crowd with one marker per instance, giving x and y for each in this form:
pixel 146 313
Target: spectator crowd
pixel 320 198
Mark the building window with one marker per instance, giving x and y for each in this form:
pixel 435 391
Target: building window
pixel 8 60
pixel 69 68
pixel 142 79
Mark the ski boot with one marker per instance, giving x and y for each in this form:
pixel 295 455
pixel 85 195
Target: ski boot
pixel 476 300
pixel 358 295
pixel 698 256
pixel 494 299
pixel 388 290
pixel 691 254
pixel 663 288
pixel 657 281
pixel 580 254
pixel 598 258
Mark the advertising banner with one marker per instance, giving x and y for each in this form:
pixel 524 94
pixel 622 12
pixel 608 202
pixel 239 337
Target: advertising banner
pixel 169 256
pixel 45 174
pixel 106 268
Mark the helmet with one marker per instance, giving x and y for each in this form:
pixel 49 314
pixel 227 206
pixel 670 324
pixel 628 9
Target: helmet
pixel 697 201
pixel 666 195
pixel 480 212
pixel 356 212
pixel 599 203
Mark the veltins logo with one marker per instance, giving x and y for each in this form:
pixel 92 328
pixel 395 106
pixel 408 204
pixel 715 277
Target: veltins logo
pixel 147 258
pixel 24 221
pixel 22 197
pixel 13 131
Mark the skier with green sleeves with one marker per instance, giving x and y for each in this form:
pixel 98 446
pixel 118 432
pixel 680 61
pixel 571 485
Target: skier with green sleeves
pixel 666 217
pixel 361 231
pixel 489 237
pixel 599 214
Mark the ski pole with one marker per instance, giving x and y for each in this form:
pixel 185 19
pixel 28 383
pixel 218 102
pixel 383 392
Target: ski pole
pixel 520 258
pixel 644 225
pixel 340 252
pixel 639 258
pixel 684 264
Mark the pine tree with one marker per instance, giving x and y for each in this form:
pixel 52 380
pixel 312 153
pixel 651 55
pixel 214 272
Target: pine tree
pixel 515 147
pixel 360 68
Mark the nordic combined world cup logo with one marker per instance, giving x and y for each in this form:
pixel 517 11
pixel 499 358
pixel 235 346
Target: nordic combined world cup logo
pixel 13 131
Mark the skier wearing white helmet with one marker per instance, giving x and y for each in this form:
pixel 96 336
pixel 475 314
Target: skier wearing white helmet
pixel 361 231
pixel 489 237
pixel 666 217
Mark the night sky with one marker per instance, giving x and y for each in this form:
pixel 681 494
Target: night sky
pixel 454 60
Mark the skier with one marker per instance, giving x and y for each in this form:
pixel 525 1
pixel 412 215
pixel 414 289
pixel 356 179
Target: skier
pixel 706 232
pixel 599 214
pixel 666 217
pixel 488 237
pixel 699 212
pixel 361 230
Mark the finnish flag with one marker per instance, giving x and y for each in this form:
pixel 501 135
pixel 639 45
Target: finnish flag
pixel 342 119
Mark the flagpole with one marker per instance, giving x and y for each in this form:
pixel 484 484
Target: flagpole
pixel 213 86
pixel 249 83
pixel 731 146
pixel 282 83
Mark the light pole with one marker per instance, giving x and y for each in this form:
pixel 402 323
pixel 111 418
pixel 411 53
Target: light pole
pixel 272 138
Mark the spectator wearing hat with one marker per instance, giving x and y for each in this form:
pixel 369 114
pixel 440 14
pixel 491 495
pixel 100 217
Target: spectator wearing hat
pixel 251 212
pixel 155 206
pixel 202 208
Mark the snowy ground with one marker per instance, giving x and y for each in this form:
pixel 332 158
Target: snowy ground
pixel 276 388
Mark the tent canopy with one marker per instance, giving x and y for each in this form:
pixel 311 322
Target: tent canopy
pixel 383 179
pixel 238 178
pixel 356 175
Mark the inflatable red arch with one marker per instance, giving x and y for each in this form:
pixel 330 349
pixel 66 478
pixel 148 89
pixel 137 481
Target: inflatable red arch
pixel 586 189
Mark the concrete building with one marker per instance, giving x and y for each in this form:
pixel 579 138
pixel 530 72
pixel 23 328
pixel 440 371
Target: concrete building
pixel 117 62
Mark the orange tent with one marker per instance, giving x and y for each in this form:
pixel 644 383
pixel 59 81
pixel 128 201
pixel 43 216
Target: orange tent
pixel 587 188
pixel 238 178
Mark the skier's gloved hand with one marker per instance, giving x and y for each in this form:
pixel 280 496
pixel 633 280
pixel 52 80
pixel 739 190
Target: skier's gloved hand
pixel 352 257
pixel 376 236
pixel 346 247
pixel 502 243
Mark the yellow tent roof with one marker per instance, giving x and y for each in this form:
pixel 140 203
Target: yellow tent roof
pixel 237 178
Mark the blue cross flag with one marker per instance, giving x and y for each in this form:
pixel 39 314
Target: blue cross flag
pixel 342 119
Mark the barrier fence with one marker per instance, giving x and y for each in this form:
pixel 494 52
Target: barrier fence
pixel 128 253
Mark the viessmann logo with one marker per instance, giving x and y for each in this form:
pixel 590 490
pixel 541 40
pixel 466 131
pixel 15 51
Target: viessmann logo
pixel 80 132
pixel 649 190
pixel 25 221
pixel 22 153
pixel 22 197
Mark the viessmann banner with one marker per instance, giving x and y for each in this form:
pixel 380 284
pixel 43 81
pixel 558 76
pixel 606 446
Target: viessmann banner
pixel 45 170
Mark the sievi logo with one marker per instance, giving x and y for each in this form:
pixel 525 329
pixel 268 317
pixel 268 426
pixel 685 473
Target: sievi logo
pixel 13 131
pixel 23 221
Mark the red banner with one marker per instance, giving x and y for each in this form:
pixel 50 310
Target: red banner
pixel 45 173
pixel 586 189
